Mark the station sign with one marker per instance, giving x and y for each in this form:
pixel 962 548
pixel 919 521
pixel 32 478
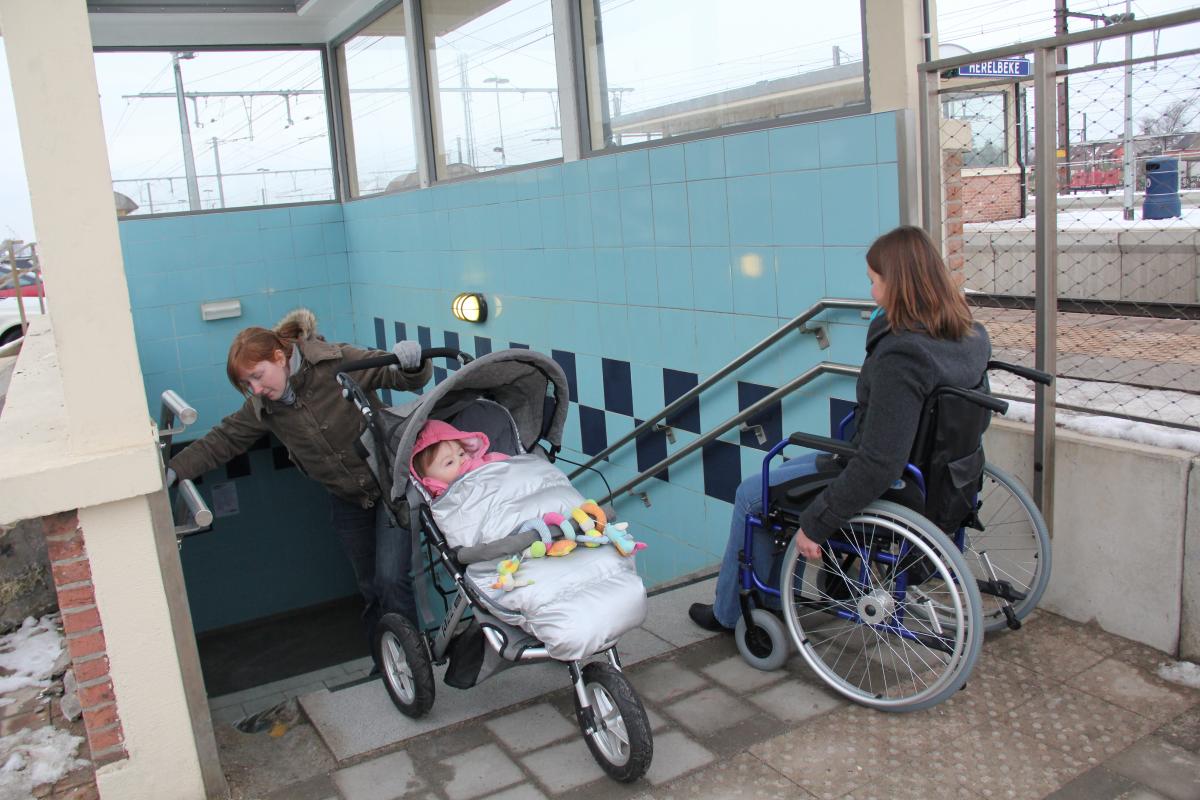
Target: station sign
pixel 999 68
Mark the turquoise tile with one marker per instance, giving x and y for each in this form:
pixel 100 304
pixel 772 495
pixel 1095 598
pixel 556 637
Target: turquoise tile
pixel 315 214
pixel 888 181
pixel 529 222
pixel 276 243
pixel 644 320
pixel 158 356
pixel 311 271
pixel 335 237
pixel 589 378
pixel 795 147
pixel 750 210
pixel 582 264
pixel 276 218
pixel 646 380
pixel 712 283
pixel 616 337
pixel 606 218
pixel 554 222
pixel 575 177
pixel 678 335
pixel 800 275
pixel 602 173
pixel 847 141
pixel 193 352
pixel 641 276
pixel 339 300
pixel 754 281
pixel 796 207
pixel 850 206
pixel 637 218
pixel 708 212
pixel 666 164
pixel 769 368
pixel 550 181
pixel 671 214
pixel 151 324
pixel 674 277
pixel 704 159
pixel 885 136
pixel 610 275
pixel 633 169
pixel 688 472
pixel 747 154
pixel 526 184
pixel 846 272
pixel 187 321
pixel 720 402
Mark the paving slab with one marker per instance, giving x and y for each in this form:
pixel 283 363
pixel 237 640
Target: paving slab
pixel 385 778
pixel 1167 769
pixel 532 727
pixel 667 617
pixel 564 767
pixel 479 772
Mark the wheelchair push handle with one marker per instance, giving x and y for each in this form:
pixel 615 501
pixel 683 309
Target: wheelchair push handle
pixel 978 398
pixel 390 359
pixel 1029 373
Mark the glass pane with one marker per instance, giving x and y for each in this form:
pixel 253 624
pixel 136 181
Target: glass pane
pixel 380 124
pixel 986 144
pixel 495 86
pixel 661 68
pixel 256 122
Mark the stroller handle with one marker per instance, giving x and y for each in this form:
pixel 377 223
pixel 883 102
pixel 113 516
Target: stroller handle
pixel 390 358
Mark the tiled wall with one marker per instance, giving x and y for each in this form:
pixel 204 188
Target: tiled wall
pixel 641 273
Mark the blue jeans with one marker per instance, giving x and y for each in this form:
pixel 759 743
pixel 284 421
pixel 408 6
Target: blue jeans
pixel 381 557
pixel 748 500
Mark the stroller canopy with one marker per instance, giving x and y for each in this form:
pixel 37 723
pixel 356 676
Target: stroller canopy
pixel 530 385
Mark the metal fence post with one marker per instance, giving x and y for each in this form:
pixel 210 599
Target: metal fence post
pixel 1045 277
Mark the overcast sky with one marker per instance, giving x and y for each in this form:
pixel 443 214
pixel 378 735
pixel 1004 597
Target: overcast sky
pixel 974 24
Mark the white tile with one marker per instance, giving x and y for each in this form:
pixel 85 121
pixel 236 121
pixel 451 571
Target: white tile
pixel 531 728
pixel 385 778
pixel 794 701
pixel 736 674
pixel 667 680
pixel 480 772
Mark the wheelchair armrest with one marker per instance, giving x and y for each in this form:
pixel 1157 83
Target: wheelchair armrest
pixel 823 443
pixel 1029 373
pixel 978 398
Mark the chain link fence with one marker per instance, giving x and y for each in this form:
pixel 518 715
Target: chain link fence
pixel 1127 214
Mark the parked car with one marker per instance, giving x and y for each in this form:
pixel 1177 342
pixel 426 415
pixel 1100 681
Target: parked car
pixel 10 317
pixel 29 285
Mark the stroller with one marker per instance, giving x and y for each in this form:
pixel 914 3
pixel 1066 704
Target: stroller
pixel 518 399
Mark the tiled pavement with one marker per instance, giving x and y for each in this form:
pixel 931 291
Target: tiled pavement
pixel 1055 710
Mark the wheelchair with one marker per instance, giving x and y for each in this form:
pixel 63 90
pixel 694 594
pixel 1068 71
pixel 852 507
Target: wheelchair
pixel 893 616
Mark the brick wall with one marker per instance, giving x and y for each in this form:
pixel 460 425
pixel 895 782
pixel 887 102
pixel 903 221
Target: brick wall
pixel 952 229
pixel 84 632
pixel 987 198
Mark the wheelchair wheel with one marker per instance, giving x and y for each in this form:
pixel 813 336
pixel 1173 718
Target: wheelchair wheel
pixel 619 737
pixel 890 617
pixel 404 664
pixel 1008 551
pixel 765 645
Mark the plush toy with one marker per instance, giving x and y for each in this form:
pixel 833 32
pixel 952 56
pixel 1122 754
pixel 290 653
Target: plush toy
pixel 585 525
pixel 506 572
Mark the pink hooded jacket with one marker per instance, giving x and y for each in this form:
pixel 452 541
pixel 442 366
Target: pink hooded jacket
pixel 476 445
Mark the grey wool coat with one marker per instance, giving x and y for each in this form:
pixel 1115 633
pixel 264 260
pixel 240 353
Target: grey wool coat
pixel 319 430
pixel 901 370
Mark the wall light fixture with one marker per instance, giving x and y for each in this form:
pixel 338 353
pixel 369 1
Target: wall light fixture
pixel 469 307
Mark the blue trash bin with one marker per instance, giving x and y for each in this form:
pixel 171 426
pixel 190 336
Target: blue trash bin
pixel 1162 189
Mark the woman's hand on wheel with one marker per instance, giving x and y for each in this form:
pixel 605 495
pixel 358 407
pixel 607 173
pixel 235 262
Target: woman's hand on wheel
pixel 807 547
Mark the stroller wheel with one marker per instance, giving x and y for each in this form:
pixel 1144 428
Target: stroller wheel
pixel 620 740
pixel 404 663
pixel 764 645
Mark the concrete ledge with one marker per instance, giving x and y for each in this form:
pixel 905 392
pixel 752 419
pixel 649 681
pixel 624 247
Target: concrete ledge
pixel 1121 534
pixel 40 474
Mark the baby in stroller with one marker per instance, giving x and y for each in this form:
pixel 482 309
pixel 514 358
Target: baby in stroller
pixel 491 430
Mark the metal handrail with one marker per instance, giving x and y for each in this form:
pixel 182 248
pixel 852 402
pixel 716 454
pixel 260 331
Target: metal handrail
pixel 199 515
pixel 825 367
pixel 684 399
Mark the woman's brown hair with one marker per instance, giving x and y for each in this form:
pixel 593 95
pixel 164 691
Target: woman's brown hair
pixel 255 344
pixel 919 290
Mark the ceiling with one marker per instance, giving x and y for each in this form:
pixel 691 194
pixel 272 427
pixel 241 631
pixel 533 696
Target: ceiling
pixel 157 23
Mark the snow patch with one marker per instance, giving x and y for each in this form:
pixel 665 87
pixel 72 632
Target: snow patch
pixel 33 758
pixel 1182 672
pixel 28 654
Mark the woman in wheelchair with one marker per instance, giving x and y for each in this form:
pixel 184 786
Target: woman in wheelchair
pixel 920 338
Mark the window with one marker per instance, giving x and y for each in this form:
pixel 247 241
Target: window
pixel 494 84
pixel 662 68
pixel 215 129
pixel 984 115
pixel 379 114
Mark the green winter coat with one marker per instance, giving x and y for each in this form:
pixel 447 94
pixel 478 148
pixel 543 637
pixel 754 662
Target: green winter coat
pixel 319 430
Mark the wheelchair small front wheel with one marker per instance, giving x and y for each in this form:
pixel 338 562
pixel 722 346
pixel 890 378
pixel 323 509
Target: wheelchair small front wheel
pixel 614 724
pixel 404 665
pixel 764 644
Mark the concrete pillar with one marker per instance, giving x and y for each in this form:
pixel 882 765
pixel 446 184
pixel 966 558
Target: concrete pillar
pixel 895 45
pixel 49 49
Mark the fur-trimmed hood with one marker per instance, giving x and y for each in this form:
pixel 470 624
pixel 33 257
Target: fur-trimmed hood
pixel 303 319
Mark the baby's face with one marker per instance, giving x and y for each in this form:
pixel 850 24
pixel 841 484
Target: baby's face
pixel 447 462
